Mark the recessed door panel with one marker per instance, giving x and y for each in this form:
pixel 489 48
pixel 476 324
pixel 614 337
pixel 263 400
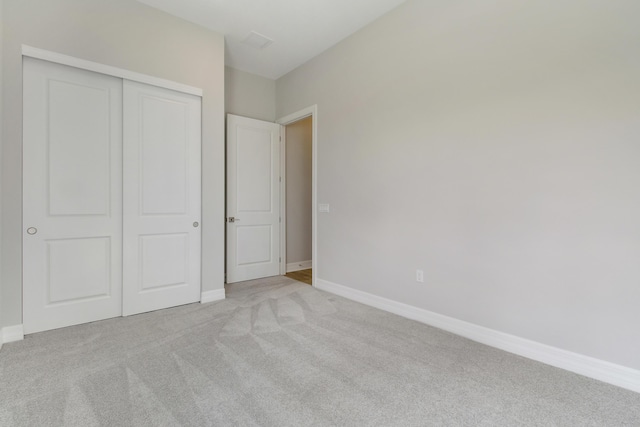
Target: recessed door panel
pixel 164 145
pixel 256 241
pixel 164 261
pixel 72 196
pixel 254 169
pixel 78 145
pixel 78 269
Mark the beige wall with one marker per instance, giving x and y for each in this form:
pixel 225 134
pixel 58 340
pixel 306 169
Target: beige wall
pixel 495 145
pixel 129 35
pixel 298 194
pixel 249 95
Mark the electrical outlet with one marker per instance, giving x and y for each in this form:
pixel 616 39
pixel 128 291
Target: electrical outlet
pixel 420 276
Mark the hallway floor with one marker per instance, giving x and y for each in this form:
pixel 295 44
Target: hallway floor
pixel 303 276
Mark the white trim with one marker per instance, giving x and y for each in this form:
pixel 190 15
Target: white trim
pixel 608 372
pixel 107 69
pixel 211 296
pixel 283 201
pixel 297 266
pixel 11 333
pixel 294 117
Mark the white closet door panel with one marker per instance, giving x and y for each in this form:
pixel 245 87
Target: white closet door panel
pixel 72 196
pixel 161 198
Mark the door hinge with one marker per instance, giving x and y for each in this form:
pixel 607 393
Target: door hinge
pixel 280 220
pixel 280 259
pixel 280 179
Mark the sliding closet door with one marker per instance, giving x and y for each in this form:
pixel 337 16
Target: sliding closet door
pixel 161 198
pixel 72 196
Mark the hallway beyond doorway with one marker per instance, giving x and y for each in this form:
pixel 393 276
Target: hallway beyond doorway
pixel 303 276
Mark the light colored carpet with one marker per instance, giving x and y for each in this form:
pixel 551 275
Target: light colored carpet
pixel 281 353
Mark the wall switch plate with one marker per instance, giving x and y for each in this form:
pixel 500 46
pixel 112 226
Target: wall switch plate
pixel 323 207
pixel 420 276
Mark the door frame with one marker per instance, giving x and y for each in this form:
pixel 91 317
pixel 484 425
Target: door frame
pixel 312 112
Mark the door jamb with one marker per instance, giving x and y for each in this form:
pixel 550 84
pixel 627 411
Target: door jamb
pixel 312 112
pixel 283 200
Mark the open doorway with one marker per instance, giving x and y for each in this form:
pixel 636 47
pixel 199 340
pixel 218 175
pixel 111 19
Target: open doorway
pixel 256 198
pixel 298 204
pixel 298 163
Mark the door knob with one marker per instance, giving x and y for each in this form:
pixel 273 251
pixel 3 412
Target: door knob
pixel 196 224
pixel 32 230
pixel 233 219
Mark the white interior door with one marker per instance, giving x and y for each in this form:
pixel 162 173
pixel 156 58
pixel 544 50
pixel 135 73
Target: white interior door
pixel 72 196
pixel 253 199
pixel 161 198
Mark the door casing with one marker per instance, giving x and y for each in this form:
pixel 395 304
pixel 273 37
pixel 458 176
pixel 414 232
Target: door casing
pixel 312 112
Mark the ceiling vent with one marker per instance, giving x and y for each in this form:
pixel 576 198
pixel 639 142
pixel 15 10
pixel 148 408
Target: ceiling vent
pixel 257 40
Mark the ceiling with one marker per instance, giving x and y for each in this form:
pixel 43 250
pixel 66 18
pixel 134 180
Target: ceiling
pixel 300 29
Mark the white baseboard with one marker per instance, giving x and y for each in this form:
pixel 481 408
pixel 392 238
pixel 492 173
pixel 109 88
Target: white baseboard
pixel 11 333
pixel 608 372
pixel 297 266
pixel 211 296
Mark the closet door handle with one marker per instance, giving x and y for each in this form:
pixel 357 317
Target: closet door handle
pixel 196 224
pixel 32 230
